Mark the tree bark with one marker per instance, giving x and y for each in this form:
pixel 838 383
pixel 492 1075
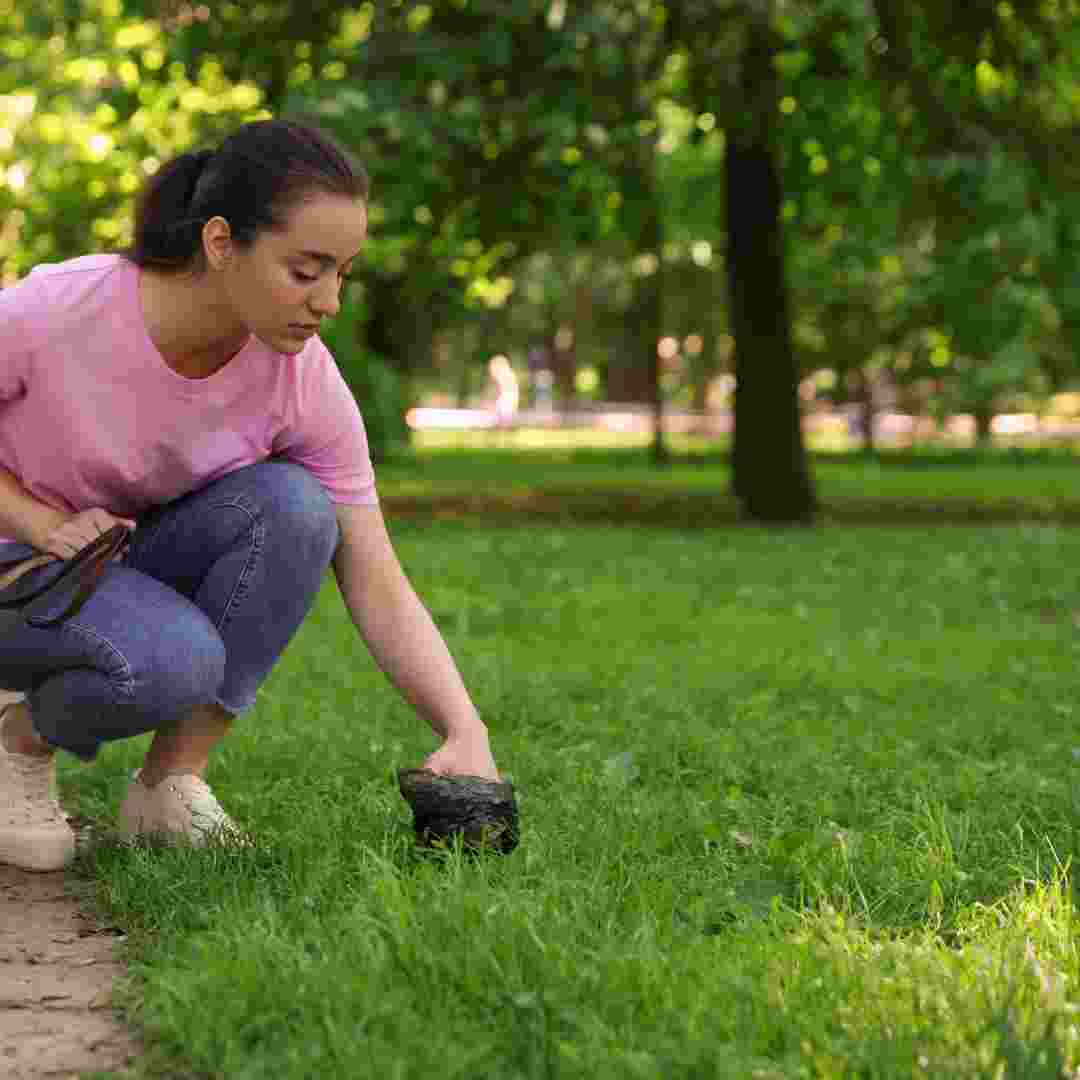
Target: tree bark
pixel 383 296
pixel 771 473
pixel 563 363
pixel 866 413
pixel 649 313
pixel 628 380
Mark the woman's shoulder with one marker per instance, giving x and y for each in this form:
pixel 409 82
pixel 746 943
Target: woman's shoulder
pixel 81 265
pixel 72 276
pixel 57 298
pixel 88 281
pixel 79 277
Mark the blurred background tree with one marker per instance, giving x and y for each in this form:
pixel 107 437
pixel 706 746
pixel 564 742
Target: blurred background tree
pixel 653 200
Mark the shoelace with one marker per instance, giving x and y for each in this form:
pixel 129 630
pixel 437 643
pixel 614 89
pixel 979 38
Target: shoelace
pixel 35 775
pixel 206 811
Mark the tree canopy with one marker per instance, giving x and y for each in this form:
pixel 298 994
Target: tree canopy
pixel 556 174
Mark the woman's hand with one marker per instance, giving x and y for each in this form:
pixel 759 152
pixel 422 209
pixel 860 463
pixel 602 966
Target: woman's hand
pixel 73 535
pixel 464 755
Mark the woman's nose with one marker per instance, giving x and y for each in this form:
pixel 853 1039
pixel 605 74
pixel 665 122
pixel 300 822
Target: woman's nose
pixel 326 301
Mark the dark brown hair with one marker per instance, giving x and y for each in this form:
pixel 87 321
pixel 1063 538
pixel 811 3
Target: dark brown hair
pixel 257 175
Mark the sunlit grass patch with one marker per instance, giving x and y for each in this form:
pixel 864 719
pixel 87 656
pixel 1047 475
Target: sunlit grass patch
pixel 998 998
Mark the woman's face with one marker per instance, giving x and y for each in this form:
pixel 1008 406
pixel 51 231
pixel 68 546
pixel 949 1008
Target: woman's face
pixel 289 280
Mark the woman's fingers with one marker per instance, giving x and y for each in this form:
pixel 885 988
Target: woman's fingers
pixel 65 546
pixel 101 522
pixel 82 529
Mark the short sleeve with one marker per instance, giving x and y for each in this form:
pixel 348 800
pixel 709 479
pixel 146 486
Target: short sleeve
pixel 17 304
pixel 325 431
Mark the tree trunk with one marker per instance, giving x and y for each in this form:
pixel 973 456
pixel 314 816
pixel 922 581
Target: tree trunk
pixel 649 312
pixel 771 474
pixel 649 308
pixel 628 380
pixel 562 351
pixel 642 219
pixel 864 398
pixel 705 366
pixel 383 303
pixel 465 353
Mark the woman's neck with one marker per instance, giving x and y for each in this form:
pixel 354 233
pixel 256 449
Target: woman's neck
pixel 188 323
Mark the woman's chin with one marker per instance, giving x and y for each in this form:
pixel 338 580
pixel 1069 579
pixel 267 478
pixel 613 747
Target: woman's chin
pixel 290 342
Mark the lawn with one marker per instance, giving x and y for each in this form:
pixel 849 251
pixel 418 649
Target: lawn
pixel 794 805
pixel 909 487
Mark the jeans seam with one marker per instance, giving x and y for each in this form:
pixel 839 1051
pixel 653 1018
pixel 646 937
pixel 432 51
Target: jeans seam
pixel 257 535
pixel 127 678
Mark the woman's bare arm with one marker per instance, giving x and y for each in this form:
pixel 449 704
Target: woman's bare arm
pixel 405 642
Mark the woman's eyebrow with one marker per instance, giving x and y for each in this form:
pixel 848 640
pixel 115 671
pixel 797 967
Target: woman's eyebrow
pixel 323 259
pixel 319 256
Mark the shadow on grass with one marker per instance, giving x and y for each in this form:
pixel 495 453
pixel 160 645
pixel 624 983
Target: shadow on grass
pixel 687 510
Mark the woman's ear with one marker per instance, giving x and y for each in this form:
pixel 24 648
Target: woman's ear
pixel 217 243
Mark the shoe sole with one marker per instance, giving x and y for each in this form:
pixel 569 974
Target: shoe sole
pixel 40 854
pixel 134 832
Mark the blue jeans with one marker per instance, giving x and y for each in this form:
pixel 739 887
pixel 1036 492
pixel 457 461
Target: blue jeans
pixel 212 589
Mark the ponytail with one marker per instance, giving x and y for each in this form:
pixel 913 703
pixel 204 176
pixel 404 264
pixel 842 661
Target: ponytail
pixel 257 175
pixel 168 233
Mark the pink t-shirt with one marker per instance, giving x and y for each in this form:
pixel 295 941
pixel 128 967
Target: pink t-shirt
pixel 92 416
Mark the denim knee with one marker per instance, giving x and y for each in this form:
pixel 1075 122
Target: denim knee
pixel 164 670
pixel 294 502
pixel 182 667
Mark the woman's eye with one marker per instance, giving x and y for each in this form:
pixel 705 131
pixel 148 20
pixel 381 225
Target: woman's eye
pixel 306 278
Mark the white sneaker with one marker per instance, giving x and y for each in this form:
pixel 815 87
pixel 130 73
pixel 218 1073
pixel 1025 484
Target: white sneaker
pixel 34 834
pixel 180 807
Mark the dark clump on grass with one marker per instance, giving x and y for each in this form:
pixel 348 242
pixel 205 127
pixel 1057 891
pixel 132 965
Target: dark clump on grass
pixel 482 812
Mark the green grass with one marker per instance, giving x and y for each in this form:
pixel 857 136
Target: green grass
pixel 794 805
pixel 927 486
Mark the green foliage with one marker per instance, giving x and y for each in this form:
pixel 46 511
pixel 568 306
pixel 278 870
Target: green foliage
pixel 490 132
pixel 919 245
pixel 930 223
pixel 983 297
pixel 379 389
pixel 979 283
pixel 91 101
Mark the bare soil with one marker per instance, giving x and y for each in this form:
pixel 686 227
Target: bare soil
pixel 57 969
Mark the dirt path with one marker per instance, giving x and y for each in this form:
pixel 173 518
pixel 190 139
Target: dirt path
pixel 57 968
pixel 56 973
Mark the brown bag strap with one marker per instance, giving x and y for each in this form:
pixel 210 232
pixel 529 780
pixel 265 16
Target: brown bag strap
pixel 79 576
pixel 89 566
pixel 24 567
